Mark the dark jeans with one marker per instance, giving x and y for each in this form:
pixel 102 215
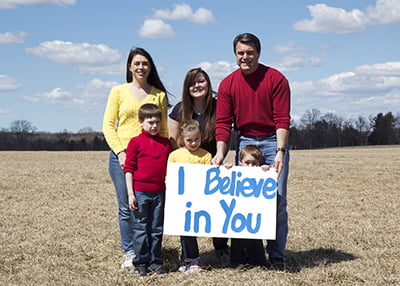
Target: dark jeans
pixel 190 248
pixel 247 251
pixel 148 229
pixel 220 243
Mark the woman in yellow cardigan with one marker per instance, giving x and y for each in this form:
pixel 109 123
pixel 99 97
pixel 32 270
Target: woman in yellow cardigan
pixel 121 123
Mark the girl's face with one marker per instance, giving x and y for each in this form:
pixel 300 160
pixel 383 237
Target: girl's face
pixel 199 88
pixel 140 67
pixel 249 161
pixel 192 140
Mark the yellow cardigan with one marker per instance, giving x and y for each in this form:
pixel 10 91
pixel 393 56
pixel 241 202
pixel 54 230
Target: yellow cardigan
pixel 121 122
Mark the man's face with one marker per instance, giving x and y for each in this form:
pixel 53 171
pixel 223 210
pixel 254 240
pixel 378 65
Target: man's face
pixel 247 57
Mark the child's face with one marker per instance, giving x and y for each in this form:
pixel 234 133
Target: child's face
pixel 249 161
pixel 192 140
pixel 151 125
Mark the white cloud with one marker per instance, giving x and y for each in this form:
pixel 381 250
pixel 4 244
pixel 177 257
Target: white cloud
pixel 330 19
pixel 286 48
pixel 185 12
pixel 218 70
pixel 12 38
pixel 297 58
pixel 83 56
pixel 89 96
pixel 156 29
pixel 7 83
pixel 9 4
pixel 327 19
pixel 385 12
pixel 363 90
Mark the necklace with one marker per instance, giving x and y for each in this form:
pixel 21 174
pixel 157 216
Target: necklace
pixel 199 111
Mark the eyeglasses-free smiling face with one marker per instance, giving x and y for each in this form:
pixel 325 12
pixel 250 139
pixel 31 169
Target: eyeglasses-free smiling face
pixel 246 57
pixel 199 87
pixel 192 140
pixel 140 67
pixel 151 125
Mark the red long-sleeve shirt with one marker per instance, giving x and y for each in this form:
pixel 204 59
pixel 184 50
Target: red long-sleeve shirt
pixel 257 104
pixel 146 158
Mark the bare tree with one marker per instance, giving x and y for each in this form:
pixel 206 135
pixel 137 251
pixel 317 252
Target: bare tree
pixel 310 117
pixel 22 126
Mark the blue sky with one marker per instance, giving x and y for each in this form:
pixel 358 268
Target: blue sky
pixel 60 58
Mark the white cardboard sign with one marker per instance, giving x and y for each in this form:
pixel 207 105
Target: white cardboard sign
pixel 204 200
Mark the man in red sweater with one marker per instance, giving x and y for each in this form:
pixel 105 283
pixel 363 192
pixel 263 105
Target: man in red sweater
pixel 255 100
pixel 145 169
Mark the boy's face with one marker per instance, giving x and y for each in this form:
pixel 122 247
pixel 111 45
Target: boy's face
pixel 192 140
pixel 249 161
pixel 151 125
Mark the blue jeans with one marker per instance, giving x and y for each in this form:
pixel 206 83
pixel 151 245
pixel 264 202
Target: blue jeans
pixel 124 213
pixel 268 145
pixel 148 229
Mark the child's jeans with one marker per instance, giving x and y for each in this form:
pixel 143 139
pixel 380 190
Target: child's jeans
pixel 148 229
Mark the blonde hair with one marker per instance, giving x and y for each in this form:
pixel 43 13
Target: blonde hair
pixel 253 151
pixel 187 126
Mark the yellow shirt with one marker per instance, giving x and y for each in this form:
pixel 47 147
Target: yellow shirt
pixel 121 121
pixel 182 155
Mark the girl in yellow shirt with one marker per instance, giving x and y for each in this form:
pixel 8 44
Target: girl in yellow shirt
pixel 189 141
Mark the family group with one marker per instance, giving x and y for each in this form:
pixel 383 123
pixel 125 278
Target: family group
pixel 254 100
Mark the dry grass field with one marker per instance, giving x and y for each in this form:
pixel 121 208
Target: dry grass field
pixel 59 223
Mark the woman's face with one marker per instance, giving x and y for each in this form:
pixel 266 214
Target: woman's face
pixel 140 68
pixel 199 88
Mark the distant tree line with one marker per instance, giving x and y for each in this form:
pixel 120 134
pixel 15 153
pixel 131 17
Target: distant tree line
pixel 315 130
pixel 23 136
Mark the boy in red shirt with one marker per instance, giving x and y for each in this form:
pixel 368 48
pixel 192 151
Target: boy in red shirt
pixel 145 169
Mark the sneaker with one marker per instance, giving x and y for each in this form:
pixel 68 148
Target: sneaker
pixel 192 269
pixel 127 260
pixel 192 266
pixel 223 257
pixel 140 271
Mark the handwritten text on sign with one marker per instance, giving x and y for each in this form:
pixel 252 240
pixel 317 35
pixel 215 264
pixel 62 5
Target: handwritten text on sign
pixel 203 200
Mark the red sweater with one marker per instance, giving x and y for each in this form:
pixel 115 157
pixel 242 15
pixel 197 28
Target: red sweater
pixel 257 104
pixel 146 159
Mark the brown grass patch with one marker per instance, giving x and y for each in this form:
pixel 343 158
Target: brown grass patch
pixel 59 223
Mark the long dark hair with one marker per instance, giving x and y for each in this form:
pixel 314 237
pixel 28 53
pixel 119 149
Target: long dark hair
pixel 153 78
pixel 186 109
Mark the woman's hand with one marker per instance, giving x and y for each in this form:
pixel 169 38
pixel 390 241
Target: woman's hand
pixel 121 158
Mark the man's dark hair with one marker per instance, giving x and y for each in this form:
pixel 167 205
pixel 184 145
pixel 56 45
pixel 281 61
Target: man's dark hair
pixel 247 38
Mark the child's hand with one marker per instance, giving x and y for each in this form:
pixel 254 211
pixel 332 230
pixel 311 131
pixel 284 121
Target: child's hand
pixel 265 167
pixel 228 165
pixel 132 202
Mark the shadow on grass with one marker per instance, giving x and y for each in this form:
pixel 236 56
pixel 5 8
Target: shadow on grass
pixel 296 260
pixel 316 258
